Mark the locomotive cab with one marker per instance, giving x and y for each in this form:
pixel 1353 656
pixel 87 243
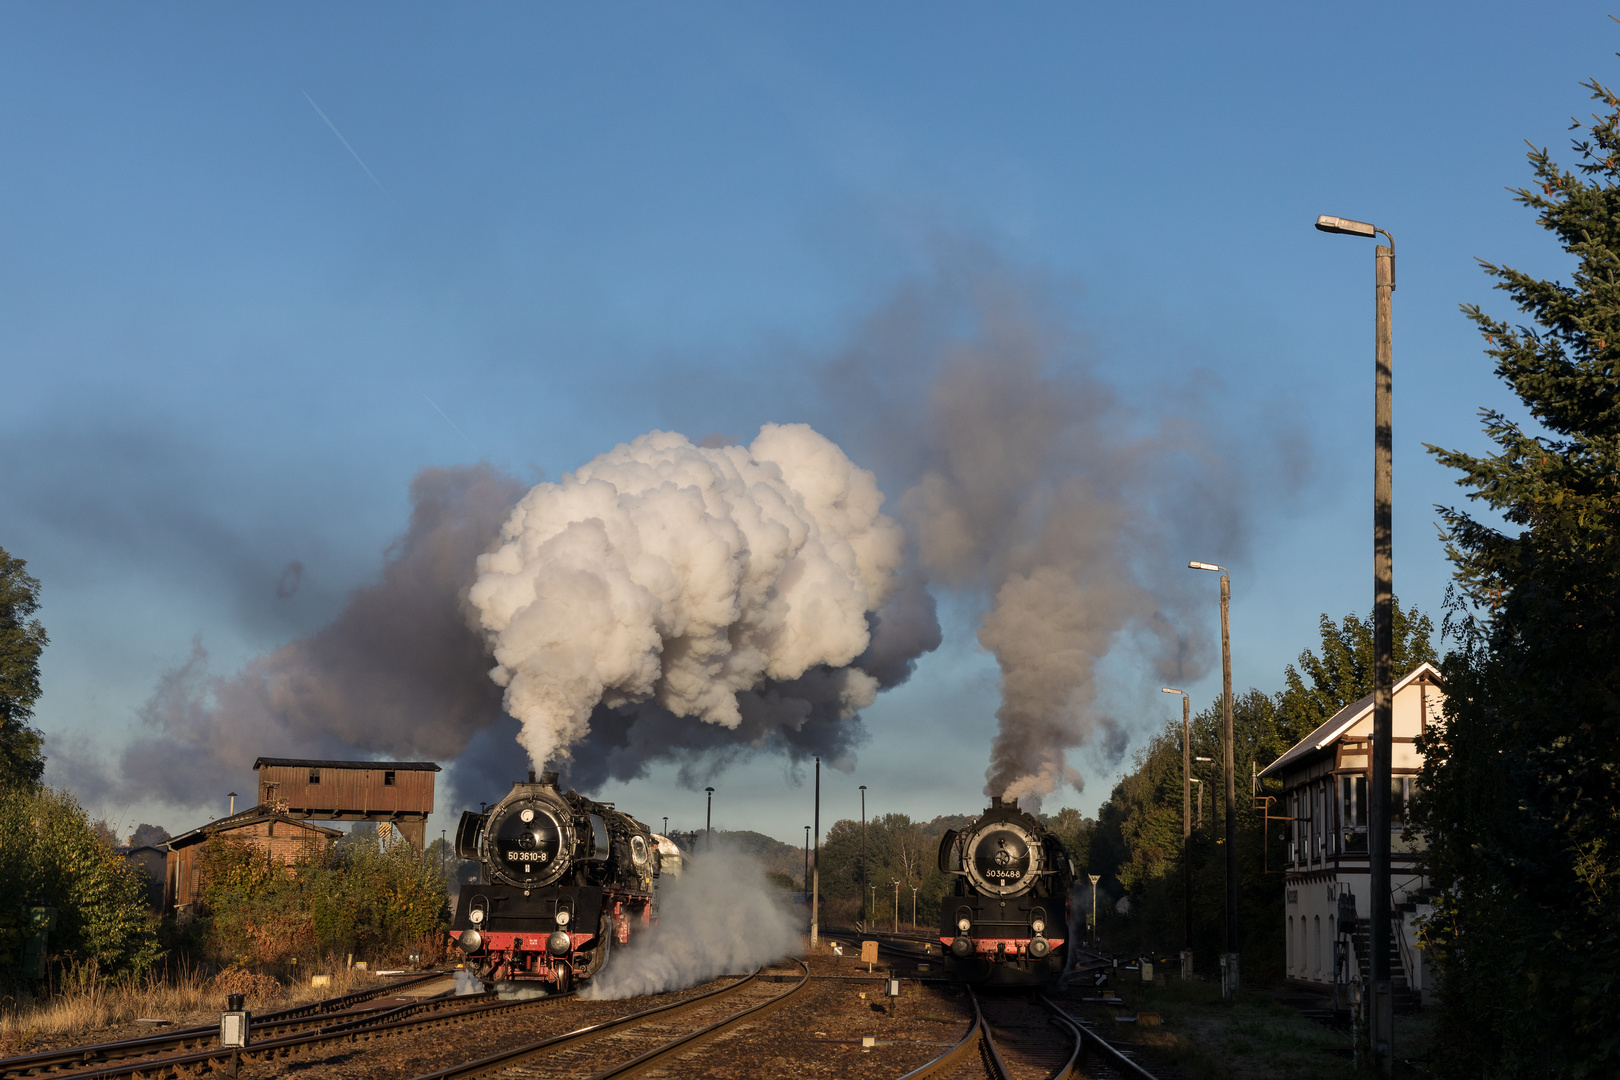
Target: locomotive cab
pixel 1006 921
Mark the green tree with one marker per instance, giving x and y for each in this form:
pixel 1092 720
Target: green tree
pixel 50 855
pixel 22 640
pixel 1344 671
pixel 1521 781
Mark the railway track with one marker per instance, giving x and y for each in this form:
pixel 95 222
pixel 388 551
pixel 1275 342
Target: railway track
pixel 170 1057
pixel 283 1021
pixel 1010 1039
pixel 646 1035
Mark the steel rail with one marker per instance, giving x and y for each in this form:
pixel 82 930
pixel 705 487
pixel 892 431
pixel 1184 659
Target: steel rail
pixel 971 1041
pixel 360 1029
pixel 507 1059
pixel 1089 1037
pixel 654 1057
pixel 54 1062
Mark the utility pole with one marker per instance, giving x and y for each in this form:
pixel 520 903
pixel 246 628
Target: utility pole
pixel 865 914
pixel 806 880
pixel 1381 1015
pixel 896 885
pixel 708 815
pixel 1229 963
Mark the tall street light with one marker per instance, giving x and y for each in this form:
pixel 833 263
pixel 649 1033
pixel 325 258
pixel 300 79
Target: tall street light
pixel 896 884
pixel 815 868
pixel 1382 1016
pixel 1229 980
pixel 807 860
pixel 1186 827
pixel 865 915
pixel 1094 879
pixel 708 815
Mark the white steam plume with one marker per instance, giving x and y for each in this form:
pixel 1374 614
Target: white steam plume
pixel 719 916
pixel 667 573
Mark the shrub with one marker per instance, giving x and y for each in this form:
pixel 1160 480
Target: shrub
pixel 50 856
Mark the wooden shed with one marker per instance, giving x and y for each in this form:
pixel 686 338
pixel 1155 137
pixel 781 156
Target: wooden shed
pixel 395 792
pixel 280 837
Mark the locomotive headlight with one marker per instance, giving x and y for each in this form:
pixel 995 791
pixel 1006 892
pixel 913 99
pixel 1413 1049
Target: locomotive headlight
pixel 563 916
pixel 559 944
pixel 1039 947
pixel 475 916
pixel 963 924
pixel 1037 925
pixel 470 940
pixel 961 947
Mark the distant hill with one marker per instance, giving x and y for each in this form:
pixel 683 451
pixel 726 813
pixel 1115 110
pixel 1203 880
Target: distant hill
pixel 774 855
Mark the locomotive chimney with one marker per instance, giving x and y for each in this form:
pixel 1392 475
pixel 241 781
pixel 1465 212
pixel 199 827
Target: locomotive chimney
pixel 995 802
pixel 531 776
pixel 549 779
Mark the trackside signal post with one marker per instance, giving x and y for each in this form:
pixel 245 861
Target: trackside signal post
pixel 1381 1010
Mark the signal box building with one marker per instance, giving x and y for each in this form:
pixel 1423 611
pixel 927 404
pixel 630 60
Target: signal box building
pixel 395 793
pixel 1327 871
pixel 281 838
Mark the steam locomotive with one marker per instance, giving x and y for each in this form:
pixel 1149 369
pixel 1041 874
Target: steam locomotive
pixel 563 881
pixel 1006 920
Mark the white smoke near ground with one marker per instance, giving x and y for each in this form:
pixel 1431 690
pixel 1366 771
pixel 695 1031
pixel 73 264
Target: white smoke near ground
pixel 699 580
pixel 720 916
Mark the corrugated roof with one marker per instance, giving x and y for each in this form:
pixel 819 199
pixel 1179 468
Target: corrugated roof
pixel 1340 722
pixel 312 763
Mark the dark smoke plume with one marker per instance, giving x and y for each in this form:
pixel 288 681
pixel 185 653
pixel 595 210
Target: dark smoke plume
pixel 400 672
pixel 1033 486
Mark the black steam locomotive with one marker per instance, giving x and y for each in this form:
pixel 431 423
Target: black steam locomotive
pixel 1006 921
pixel 563 881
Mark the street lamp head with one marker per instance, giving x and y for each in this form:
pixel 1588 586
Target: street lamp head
pixel 710 790
pixel 1206 566
pixel 1344 226
pixel 1169 690
pixel 1203 759
pixel 863 787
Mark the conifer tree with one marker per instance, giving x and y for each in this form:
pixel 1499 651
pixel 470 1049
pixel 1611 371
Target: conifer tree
pixel 1522 777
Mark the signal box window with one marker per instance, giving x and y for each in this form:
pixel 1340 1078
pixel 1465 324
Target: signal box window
pixel 314 776
pixel 388 778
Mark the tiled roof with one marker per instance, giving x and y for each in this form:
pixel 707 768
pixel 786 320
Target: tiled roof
pixel 1339 723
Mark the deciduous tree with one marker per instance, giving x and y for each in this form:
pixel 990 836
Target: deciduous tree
pixel 22 640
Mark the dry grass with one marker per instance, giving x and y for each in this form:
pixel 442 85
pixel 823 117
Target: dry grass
pixel 88 1007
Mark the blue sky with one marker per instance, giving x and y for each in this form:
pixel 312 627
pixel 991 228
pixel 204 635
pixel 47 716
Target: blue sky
pixel 219 332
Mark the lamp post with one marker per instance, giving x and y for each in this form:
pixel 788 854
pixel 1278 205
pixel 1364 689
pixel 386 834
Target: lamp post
pixel 1382 1015
pixel 1094 879
pixel 896 885
pixel 914 908
pixel 1186 828
pixel 708 814
pixel 666 824
pixel 1229 981
pixel 806 881
pixel 815 868
pixel 1200 784
pixel 865 915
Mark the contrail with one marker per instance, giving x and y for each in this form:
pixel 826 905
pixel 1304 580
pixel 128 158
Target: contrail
pixel 435 404
pixel 357 157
